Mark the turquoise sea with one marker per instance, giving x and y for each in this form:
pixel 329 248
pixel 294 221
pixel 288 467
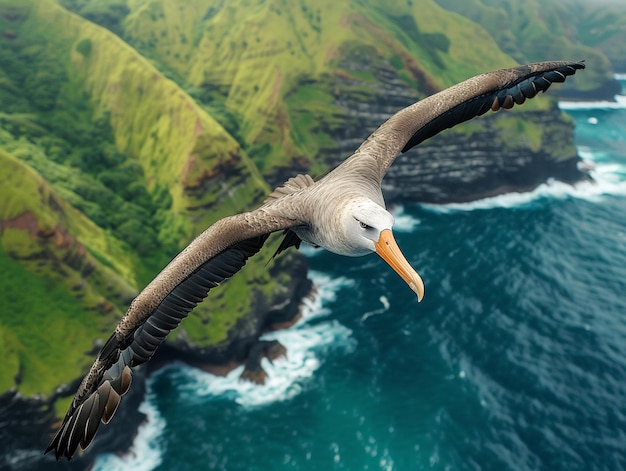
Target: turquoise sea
pixel 516 358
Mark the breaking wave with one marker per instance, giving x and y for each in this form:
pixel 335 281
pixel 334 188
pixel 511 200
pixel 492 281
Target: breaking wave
pixel 618 104
pixel 609 178
pixel 145 453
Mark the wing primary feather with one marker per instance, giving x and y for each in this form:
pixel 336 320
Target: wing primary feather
pixel 528 88
pixel 66 440
pixel 110 406
pixel 121 383
pixel 167 316
pixel 527 81
pixel 140 354
pixel 82 419
pixel 189 293
pixel 145 337
pixel 92 421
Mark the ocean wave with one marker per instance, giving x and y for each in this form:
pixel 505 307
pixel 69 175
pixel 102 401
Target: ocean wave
pixel 145 453
pixel 327 288
pixel 285 376
pixel 403 222
pixel 618 104
pixel 609 179
pixel 306 343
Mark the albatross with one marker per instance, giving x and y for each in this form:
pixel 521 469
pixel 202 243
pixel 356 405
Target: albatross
pixel 343 212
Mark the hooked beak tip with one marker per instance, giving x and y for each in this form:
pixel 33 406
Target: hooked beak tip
pixel 418 288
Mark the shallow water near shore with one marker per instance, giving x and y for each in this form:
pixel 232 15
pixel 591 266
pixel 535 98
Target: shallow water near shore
pixel 516 358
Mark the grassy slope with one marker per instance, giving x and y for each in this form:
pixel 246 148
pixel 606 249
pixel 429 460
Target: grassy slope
pixel 253 59
pixel 152 119
pixel 100 81
pixel 601 26
pixel 535 30
pixel 56 296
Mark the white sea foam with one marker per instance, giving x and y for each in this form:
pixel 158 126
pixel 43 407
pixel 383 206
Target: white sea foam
pixel 285 376
pixel 306 342
pixel 618 104
pixel 145 453
pixel 609 178
pixel 403 222
pixel 381 310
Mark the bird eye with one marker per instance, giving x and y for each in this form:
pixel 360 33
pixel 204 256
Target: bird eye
pixel 362 224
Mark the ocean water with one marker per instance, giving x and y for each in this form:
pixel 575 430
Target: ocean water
pixel 516 358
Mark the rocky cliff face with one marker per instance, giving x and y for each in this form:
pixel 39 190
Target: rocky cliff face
pixel 497 153
pixel 459 168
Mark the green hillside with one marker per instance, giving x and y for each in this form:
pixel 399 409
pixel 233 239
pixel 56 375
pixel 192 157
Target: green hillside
pixel 62 284
pixel 135 165
pixel 533 30
pixel 272 72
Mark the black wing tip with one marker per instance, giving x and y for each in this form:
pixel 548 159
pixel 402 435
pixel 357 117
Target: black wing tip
pixel 81 423
pixel 54 445
pixel 570 68
pixel 61 444
pixel 526 82
pixel 60 451
pixel 538 80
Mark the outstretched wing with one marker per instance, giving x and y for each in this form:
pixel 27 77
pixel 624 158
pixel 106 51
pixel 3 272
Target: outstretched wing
pixel 473 97
pixel 215 255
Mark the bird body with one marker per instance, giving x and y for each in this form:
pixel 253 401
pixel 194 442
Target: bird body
pixel 343 212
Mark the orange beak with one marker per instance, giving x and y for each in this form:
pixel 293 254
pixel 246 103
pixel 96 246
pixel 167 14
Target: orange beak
pixel 389 251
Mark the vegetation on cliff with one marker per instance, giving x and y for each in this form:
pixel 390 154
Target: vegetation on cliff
pixel 113 169
pixel 532 30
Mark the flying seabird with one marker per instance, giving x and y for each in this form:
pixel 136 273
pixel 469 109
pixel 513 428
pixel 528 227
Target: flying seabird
pixel 343 212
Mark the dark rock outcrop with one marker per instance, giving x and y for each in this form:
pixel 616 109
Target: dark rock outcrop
pixel 456 168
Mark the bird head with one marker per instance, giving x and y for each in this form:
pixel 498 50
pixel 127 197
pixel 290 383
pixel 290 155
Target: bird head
pixel 368 228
